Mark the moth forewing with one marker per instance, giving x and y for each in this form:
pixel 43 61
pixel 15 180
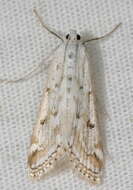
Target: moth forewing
pixel 86 149
pixel 45 148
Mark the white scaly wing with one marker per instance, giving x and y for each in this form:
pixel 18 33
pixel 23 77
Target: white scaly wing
pixel 45 146
pixel 85 148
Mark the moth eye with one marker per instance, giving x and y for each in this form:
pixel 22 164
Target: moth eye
pixel 78 37
pixel 67 36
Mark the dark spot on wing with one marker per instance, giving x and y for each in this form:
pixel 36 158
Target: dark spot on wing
pixel 90 125
pixel 70 78
pixel 55 113
pixel 70 55
pixel 77 115
pixel 56 85
pixel 42 121
pixel 48 89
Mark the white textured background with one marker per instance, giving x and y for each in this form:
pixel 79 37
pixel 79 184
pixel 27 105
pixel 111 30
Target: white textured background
pixel 24 44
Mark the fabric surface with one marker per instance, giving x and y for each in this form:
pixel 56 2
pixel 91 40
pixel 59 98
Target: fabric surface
pixel 24 44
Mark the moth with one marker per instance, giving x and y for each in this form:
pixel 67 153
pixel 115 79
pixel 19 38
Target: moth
pixel 67 123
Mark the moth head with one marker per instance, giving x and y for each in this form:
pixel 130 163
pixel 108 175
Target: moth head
pixel 73 36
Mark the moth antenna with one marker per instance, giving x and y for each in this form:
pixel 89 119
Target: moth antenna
pixel 47 27
pixel 105 35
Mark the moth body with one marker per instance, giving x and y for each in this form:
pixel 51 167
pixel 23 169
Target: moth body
pixel 67 121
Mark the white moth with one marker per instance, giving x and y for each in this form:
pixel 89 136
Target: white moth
pixel 67 122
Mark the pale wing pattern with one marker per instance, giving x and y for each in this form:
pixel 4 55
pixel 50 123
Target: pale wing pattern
pixel 45 146
pixel 85 148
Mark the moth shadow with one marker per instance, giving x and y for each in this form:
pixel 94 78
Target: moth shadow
pixel 98 81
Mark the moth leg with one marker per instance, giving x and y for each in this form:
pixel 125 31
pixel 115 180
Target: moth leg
pixel 41 67
pixel 101 37
pixel 47 27
pixel 24 78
